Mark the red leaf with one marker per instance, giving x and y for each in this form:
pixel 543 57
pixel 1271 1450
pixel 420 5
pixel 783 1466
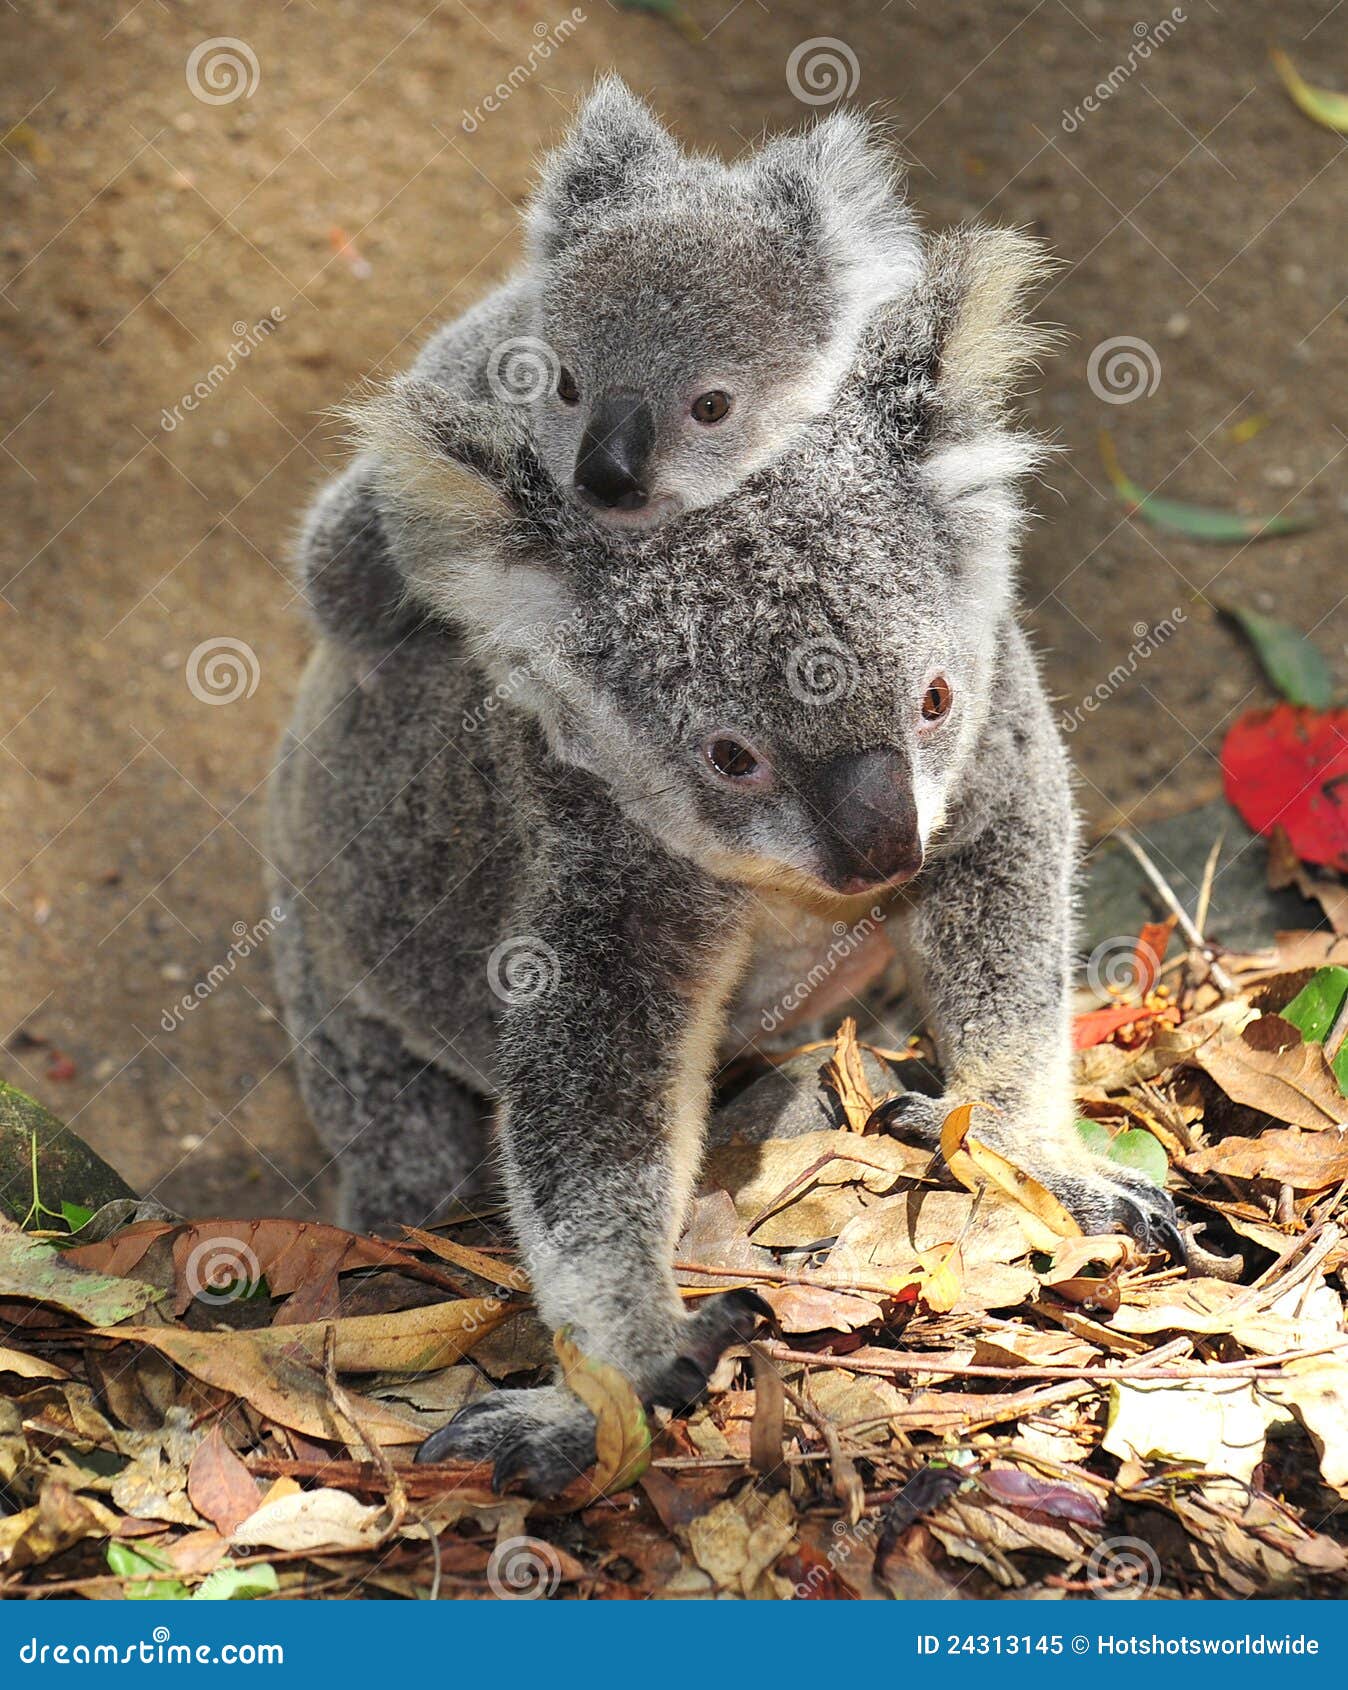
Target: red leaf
pixel 1288 767
pixel 1152 944
pixel 1097 1025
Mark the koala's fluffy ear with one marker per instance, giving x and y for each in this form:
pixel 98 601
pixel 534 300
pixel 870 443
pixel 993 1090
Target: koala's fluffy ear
pixel 838 185
pixel 974 305
pixel 615 151
pixel 346 570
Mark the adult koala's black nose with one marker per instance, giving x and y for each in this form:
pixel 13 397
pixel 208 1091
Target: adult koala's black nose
pixel 868 819
pixel 614 453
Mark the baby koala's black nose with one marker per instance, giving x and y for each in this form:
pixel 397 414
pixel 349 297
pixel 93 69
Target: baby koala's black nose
pixel 615 451
pixel 868 823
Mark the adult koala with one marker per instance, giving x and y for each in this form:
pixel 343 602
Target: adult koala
pixel 556 811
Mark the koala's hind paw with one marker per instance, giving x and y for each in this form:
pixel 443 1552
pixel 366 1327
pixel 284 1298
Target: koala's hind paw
pixel 537 1439
pixel 912 1115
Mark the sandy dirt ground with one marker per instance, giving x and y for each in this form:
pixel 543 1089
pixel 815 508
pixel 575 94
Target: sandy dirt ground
pixel 345 182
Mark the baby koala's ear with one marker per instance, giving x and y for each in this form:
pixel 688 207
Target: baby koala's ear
pixel 346 569
pixel 980 341
pixel 616 151
pixel 839 187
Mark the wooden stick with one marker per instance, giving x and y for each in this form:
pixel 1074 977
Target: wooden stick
pixel 1220 978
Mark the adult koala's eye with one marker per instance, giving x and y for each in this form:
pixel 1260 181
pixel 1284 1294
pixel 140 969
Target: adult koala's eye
pixel 567 391
pixel 735 760
pixel 937 699
pixel 710 407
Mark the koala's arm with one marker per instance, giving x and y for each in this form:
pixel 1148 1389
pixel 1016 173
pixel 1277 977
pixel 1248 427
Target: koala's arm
pixel 346 566
pixel 621 959
pixel 989 940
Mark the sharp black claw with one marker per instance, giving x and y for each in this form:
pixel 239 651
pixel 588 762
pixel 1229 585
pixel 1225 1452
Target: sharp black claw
pixel 438 1447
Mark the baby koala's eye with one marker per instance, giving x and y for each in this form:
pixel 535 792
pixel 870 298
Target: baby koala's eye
pixel 567 391
pixel 710 407
pixel 735 760
pixel 937 699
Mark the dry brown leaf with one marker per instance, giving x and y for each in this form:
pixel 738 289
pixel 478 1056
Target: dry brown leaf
pixel 975 1165
pixel 1306 1161
pixel 738 1541
pixel 845 1074
pixel 219 1486
pixel 622 1437
pixel 279 1387
pixel 315 1521
pixel 1269 1067
pixel 1316 1391
pixel 58 1520
pixel 29 1367
pixel 822 1175
pixel 816 1308
pixel 1285 869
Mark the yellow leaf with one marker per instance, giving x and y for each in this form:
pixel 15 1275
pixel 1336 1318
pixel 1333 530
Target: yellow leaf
pixel 622 1437
pixel 1324 106
pixel 976 1165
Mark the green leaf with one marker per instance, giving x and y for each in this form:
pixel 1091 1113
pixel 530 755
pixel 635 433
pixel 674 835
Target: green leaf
pixel 1325 106
pixel 1314 1010
pixel 134 1564
pixel 1196 522
pixel 1095 1137
pixel 238 1584
pixel 1141 1151
pixel 1136 1149
pixel 1290 661
pixel 30 1268
pixel 76 1215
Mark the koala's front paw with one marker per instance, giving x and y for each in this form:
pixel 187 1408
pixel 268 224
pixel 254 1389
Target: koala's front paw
pixel 1108 1198
pixel 542 1439
pixel 1100 1196
pixel 538 1439
pixel 721 1321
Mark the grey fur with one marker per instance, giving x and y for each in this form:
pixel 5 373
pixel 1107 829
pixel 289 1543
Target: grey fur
pixel 501 740
pixel 660 275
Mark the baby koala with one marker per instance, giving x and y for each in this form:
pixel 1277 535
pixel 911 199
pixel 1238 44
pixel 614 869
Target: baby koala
pixel 677 319
pixel 559 809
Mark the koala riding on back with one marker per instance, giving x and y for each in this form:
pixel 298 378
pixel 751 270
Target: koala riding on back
pixel 677 319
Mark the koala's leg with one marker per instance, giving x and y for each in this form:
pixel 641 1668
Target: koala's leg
pixel 989 946
pixel 408 1138
pixel 622 959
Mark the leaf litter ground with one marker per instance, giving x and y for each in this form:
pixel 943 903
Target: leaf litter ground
pixel 957 1396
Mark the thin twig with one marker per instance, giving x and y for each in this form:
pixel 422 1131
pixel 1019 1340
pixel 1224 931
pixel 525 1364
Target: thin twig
pixel 1220 978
